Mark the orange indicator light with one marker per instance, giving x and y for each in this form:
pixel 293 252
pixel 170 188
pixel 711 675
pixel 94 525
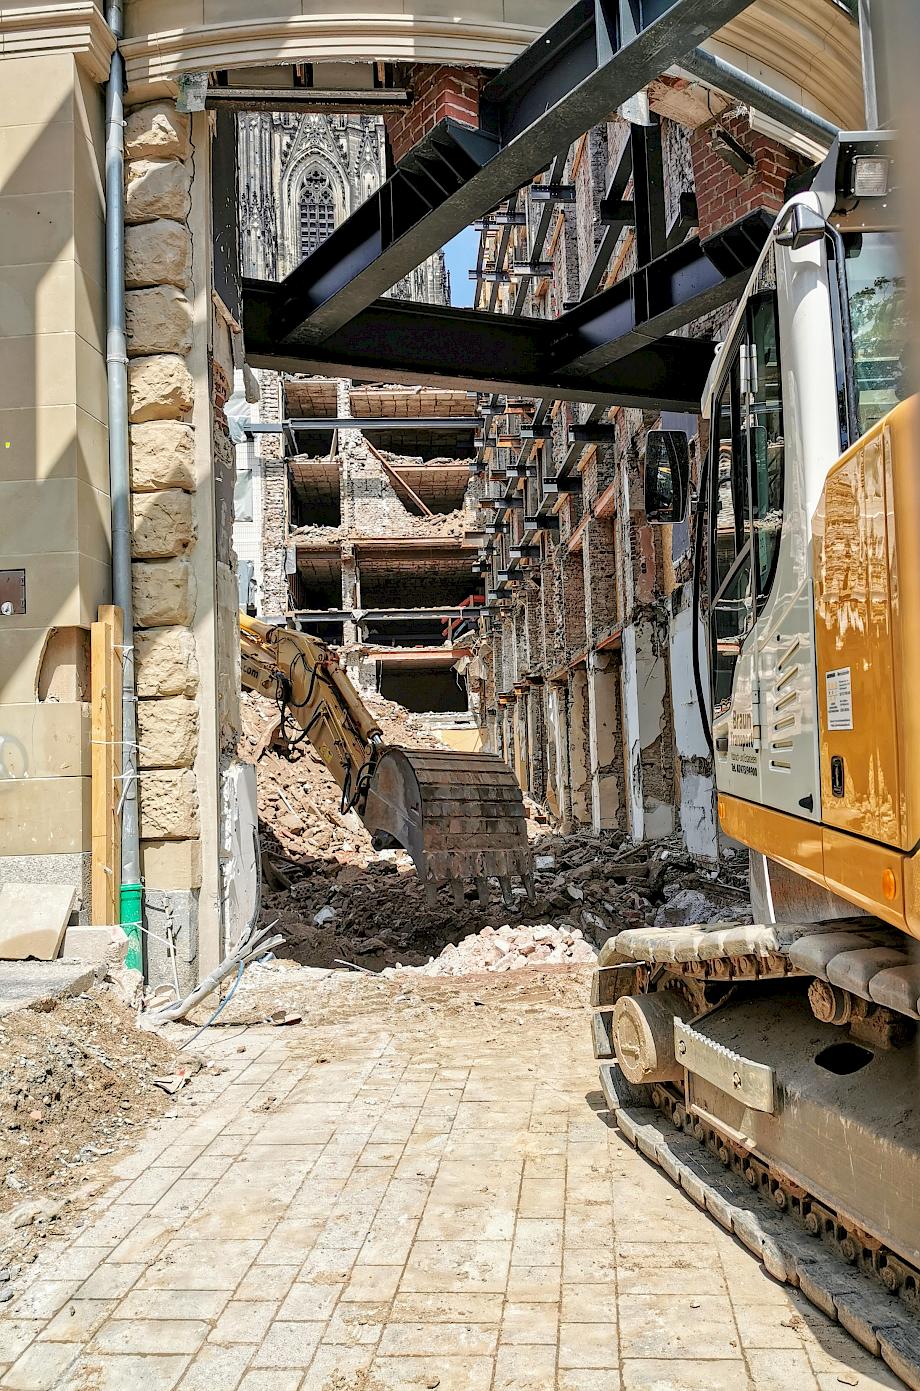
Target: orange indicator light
pixel 889 885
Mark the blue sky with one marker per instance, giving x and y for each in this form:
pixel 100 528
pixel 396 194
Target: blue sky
pixel 460 254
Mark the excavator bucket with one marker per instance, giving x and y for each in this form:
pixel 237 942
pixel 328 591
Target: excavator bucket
pixel 460 816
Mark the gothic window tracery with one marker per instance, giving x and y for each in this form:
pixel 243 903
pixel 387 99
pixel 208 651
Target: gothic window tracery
pixel 317 210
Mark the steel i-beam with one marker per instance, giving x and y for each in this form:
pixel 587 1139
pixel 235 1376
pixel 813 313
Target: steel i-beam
pixel 586 64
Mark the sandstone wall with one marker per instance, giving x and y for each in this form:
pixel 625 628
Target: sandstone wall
pixel 158 268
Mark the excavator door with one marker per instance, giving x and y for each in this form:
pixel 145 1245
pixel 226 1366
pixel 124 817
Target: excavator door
pixel 460 816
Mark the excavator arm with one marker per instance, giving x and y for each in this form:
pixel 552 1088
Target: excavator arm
pixel 302 675
pixel 460 816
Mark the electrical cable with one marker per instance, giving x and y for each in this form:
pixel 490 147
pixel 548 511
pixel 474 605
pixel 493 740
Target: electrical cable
pixel 224 1002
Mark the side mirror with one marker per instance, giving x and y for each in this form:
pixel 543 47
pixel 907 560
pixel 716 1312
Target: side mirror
pixel 803 227
pixel 667 475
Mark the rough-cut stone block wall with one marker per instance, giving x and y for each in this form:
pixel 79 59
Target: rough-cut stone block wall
pixel 722 195
pixel 158 257
pixel 438 92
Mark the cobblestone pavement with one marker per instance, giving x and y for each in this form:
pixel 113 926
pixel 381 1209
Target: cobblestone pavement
pixel 413 1189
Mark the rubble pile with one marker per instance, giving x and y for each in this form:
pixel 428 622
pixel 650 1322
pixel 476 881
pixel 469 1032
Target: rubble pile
pixel 337 901
pixel 76 1079
pixel 506 948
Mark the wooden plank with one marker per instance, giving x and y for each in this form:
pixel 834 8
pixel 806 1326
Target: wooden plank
pixel 395 478
pixel 106 638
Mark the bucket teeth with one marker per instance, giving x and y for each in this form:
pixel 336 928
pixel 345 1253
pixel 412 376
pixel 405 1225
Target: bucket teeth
pixel 460 816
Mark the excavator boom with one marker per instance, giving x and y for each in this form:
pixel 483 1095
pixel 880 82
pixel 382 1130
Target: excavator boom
pixel 459 816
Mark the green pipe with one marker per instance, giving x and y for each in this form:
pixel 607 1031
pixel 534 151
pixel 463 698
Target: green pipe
pixel 130 918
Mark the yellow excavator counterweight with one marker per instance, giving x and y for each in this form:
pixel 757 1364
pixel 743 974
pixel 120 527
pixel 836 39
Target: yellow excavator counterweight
pixel 459 816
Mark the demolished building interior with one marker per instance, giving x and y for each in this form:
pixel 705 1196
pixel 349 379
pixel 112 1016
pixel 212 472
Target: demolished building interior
pixel 359 748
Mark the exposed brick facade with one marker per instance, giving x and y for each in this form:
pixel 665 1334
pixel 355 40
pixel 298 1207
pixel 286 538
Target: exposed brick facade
pixel 439 92
pixel 723 195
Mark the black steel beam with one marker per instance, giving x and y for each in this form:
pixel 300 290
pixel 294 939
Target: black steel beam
pixel 687 219
pixel 648 191
pixel 429 345
pixel 569 79
pixel 684 284
pixel 501 255
pixel 615 212
pixel 593 433
pixel 614 349
pixel 351 422
pixel 305 100
pixel 542 229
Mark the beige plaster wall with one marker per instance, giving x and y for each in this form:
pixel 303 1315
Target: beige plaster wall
pixel 54 504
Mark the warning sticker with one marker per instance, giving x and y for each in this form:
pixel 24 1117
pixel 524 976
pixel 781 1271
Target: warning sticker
pixel 839 699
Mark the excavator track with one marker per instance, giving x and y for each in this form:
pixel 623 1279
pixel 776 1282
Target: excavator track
pixel 746 1138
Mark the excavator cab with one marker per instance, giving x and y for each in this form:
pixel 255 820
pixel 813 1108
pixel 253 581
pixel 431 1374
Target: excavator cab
pixel 459 816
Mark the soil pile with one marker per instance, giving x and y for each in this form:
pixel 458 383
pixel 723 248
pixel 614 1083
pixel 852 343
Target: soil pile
pixel 76 1078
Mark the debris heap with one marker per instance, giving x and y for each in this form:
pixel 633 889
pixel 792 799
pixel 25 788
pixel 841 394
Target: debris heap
pixel 338 901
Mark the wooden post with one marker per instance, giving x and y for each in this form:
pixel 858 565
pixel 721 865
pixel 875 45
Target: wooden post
pixel 106 657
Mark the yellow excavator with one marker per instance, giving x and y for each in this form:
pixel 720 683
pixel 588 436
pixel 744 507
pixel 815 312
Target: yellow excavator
pixel 460 816
pixel 788 1049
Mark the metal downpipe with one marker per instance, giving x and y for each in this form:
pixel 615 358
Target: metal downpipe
pixel 766 99
pixel 116 362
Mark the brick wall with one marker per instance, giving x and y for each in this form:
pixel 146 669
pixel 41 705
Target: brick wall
pixel 439 92
pixel 722 195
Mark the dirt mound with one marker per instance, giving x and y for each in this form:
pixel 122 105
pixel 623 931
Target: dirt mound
pixel 75 1079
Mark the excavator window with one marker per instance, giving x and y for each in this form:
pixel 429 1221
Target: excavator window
pixel 733 603
pixel 765 437
pixel 747 483
pixel 879 324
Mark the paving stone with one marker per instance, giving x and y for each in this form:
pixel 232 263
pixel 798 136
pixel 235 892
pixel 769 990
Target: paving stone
pixel 288 1345
pixel 124 1373
pixel 589 1345
pixel 110 1281
pixel 428 1339
pixel 448 1373
pixel 525 1367
pixel 150 1336
pixel 16 1335
pixel 654 1328
pixel 443 1266
pixel 44 1298
pixel 287 1379
pixel 372 1282
pixel 680 1375
pixel 216 1368
pixel 243 1321
pixel 589 1303
pixel 40 1368
pixel 78 1320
